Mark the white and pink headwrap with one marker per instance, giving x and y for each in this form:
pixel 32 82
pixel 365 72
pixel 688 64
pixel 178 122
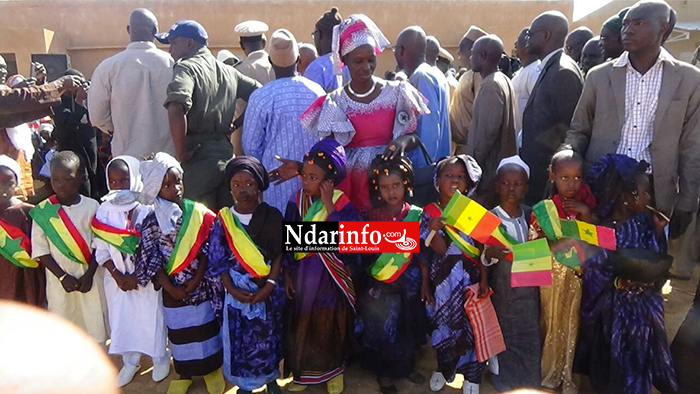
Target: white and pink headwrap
pixel 356 30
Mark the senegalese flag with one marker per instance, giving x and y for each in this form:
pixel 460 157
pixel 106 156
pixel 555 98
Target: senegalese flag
pixel 593 235
pixel 317 211
pixel 60 230
pixel 532 264
pixel 245 250
pixel 470 217
pixel 390 266
pixel 548 218
pixel 196 224
pixel 126 240
pixel 467 249
pixel 15 246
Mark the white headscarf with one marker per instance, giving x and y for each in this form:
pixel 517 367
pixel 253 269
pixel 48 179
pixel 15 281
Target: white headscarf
pixel 152 173
pixel 123 197
pixel 12 165
pixel 356 30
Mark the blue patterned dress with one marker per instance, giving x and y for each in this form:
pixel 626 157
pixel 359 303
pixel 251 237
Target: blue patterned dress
pixel 452 336
pixel 252 334
pixel 390 316
pixel 622 344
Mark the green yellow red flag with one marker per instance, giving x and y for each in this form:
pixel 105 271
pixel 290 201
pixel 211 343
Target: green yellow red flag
pixel 126 240
pixel 60 230
pixel 245 250
pixel 197 220
pixel 15 246
pixel 390 266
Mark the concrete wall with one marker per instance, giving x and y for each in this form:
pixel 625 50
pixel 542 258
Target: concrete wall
pixel 89 31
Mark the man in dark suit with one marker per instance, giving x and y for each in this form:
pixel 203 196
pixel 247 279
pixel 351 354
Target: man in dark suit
pixel 662 124
pixel 551 105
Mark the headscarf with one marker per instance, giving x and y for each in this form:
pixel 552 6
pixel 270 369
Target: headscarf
pixel 515 159
pixel 12 165
pixel 152 173
pixel 252 166
pixel 329 154
pixel 614 23
pixel 400 165
pixel 612 175
pixel 473 170
pixel 355 31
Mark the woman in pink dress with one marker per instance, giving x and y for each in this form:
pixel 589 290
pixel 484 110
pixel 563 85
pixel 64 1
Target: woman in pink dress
pixel 369 115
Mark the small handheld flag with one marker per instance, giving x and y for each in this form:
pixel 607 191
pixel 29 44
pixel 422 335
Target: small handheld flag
pixel 532 264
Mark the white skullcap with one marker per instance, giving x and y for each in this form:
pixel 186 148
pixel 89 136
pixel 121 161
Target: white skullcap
pixel 12 165
pixel 517 161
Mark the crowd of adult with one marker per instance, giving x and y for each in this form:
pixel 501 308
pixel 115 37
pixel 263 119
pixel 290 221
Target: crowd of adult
pixel 617 92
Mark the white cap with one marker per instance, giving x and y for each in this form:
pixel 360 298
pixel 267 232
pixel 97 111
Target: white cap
pixel 251 28
pixel 517 161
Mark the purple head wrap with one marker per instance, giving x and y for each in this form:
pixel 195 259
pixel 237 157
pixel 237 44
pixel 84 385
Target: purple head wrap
pixel 329 154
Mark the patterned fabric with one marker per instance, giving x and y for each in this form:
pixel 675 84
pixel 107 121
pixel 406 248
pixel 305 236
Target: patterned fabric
pixel 391 324
pixel 641 99
pixel 252 345
pixel 623 342
pixel 488 338
pixel 272 127
pixel 451 333
pixel 153 254
pixel 353 32
pixel 518 311
pixel 319 315
pixel 365 129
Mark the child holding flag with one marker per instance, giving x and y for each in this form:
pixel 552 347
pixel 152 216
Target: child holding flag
pixel 20 278
pixel 570 198
pixel 319 285
pixel 623 342
pixel 450 265
pixel 135 312
pixel 61 239
pixel 391 318
pixel 518 308
pixel 170 254
pixel 245 250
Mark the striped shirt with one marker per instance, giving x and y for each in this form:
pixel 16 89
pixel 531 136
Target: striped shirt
pixel 641 100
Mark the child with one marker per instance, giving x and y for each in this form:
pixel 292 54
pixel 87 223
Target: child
pixel 254 302
pixel 21 279
pixel 61 236
pixel 449 266
pixel 391 318
pixel 135 312
pixel 170 254
pixel 321 309
pixel 560 302
pixel 624 347
pixel 518 309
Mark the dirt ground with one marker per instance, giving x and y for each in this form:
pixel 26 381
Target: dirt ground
pixel 359 381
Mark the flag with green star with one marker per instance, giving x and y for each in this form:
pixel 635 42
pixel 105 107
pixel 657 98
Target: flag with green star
pixel 15 246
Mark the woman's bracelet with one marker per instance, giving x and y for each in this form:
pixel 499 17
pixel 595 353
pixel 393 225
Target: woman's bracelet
pixel 272 282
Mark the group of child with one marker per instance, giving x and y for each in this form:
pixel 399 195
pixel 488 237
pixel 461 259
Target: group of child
pixel 218 293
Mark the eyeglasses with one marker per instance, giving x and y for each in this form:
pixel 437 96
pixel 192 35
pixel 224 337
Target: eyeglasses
pixel 530 33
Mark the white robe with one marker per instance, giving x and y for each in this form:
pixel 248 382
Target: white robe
pixel 135 316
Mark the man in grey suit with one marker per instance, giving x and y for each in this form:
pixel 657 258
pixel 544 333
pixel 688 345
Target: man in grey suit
pixel 548 112
pixel 646 105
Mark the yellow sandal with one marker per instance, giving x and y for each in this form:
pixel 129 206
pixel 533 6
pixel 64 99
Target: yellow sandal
pixel 179 386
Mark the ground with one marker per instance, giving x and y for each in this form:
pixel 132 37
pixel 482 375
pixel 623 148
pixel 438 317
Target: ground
pixel 358 381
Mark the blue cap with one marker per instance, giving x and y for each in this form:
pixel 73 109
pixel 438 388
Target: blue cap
pixel 188 29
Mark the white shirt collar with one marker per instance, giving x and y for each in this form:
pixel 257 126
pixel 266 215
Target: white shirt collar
pixel 624 59
pixel 544 61
pixel 141 45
